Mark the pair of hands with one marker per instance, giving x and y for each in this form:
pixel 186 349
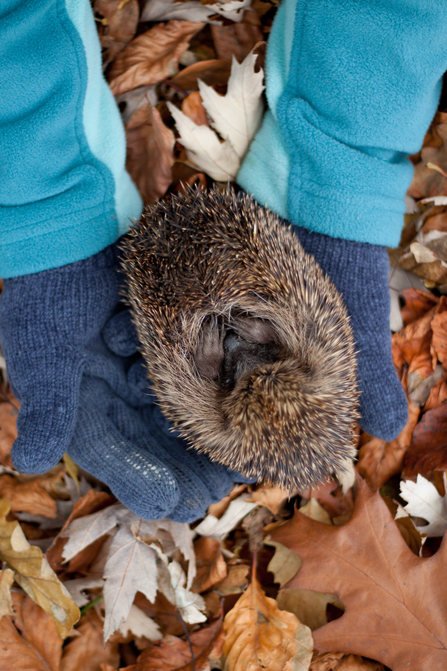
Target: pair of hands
pixel 71 353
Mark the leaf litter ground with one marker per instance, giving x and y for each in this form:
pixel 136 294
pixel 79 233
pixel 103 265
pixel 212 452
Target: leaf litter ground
pixel 351 582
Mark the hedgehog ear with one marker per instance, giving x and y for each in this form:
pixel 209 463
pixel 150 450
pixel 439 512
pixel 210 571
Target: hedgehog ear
pixel 255 330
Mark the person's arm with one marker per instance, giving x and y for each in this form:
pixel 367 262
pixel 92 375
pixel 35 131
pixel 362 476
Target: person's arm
pixel 352 87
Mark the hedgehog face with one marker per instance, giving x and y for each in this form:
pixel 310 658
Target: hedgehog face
pixel 247 343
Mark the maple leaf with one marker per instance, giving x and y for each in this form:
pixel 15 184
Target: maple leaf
pixel 424 501
pixel 395 602
pixel 235 116
pixel 258 635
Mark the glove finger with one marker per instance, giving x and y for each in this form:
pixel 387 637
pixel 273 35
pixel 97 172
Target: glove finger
pixel 47 416
pixel 137 477
pixel 120 335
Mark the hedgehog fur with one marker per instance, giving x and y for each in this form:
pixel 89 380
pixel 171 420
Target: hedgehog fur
pixel 247 343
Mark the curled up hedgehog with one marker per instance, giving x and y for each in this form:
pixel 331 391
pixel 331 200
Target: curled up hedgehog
pixel 247 343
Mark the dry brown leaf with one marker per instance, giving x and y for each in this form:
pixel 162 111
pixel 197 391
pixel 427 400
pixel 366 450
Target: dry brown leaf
pixel 271 497
pixel 34 574
pixel 150 152
pixel 308 606
pixel 152 56
pixel 236 580
pixel 260 636
pixel 411 346
pixel 8 429
pixel 215 72
pixel 162 612
pixel 417 303
pixel 88 650
pixel 237 40
pixel 379 580
pixel 193 107
pixel 174 654
pixel 330 495
pixel 428 449
pixel 91 502
pixel 428 182
pixel 378 460
pixel 28 497
pixel 284 564
pixel 438 394
pixel 6 580
pixel 338 661
pixel 439 328
pixel 119 25
pixel 219 508
pixel 211 566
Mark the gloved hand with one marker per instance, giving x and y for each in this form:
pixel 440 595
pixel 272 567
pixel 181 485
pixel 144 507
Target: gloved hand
pixel 360 272
pixel 80 397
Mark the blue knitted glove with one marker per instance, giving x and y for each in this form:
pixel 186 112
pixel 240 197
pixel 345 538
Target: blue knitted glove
pixel 80 397
pixel 360 272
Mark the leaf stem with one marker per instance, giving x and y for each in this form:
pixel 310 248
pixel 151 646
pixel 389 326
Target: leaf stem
pixel 91 604
pixel 193 659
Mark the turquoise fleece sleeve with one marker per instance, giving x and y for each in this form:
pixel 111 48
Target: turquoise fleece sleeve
pixel 352 87
pixel 64 191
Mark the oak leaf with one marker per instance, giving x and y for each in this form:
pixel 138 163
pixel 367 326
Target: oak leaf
pixel 150 152
pixel 395 602
pixel 258 635
pixel 152 56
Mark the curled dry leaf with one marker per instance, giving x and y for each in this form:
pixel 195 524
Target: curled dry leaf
pixel 6 580
pixel 28 497
pixel 271 497
pixel 211 566
pixel 258 635
pixel 34 574
pixel 219 528
pixel 417 303
pixel 119 25
pixel 152 56
pixel 8 429
pixel 213 72
pixel 426 181
pixel 411 347
pixel 428 449
pixel 368 565
pixel 88 650
pixel 439 328
pixel 236 580
pixel 235 40
pixel 150 152
pixel 193 107
pixel 378 460
pixel 424 501
pixel 338 661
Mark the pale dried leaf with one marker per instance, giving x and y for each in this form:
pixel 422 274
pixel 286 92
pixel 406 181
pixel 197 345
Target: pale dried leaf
pixel 315 511
pixel 424 501
pixel 260 636
pixel 271 497
pixel 139 624
pixel 164 10
pixel 308 606
pixel 6 580
pixel 77 586
pixel 33 573
pixel 219 528
pixel 85 530
pixel 284 564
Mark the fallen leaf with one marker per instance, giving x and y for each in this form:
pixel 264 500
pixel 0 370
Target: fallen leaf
pixel 236 116
pixel 33 573
pixel 29 641
pixel 219 528
pixel 77 587
pixel 271 497
pixel 139 624
pixel 417 303
pixel 438 394
pixel 193 10
pixel 27 496
pixel 258 635
pixel 338 661
pixel 428 449
pixel 214 72
pixel 284 564
pixel 6 580
pixel 87 651
pixel 378 460
pixel 330 495
pixel 411 346
pixel 174 654
pixel 171 581
pixel 424 501
pixel 439 328
pixel 308 606
pixel 8 429
pixel 235 40
pixel 211 566
pixel 236 580
pixel 162 611
pixel 219 508
pixel 316 512
pixel 193 107
pixel 152 56
pixel 426 181
pixel 368 565
pixel 119 25
pixel 150 152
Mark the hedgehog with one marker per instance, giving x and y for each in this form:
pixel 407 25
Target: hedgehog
pixel 248 345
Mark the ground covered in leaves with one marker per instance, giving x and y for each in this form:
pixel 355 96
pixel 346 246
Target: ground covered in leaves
pixel 345 577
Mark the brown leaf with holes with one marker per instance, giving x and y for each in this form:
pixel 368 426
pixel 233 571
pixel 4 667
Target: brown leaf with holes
pixel 193 107
pixel 211 566
pixel 215 72
pixel 150 152
pixel 428 448
pixel 174 654
pixel 417 303
pixel 88 650
pixel 29 641
pixel 28 497
pixel 152 56
pixel 367 563
pixel 237 40
pixel 428 182
pixel 258 635
pixel 378 460
pixel 118 25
